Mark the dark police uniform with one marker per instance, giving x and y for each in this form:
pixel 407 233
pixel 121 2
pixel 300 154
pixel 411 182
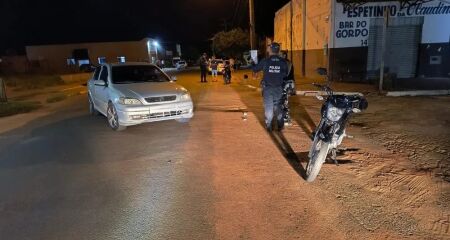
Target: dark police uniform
pixel 275 70
pixel 203 68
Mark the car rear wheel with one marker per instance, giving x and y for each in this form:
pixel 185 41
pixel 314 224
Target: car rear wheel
pixel 113 118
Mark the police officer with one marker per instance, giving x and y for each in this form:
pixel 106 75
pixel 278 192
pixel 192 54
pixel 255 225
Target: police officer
pixel 203 67
pixel 275 70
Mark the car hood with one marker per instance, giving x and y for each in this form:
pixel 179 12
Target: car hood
pixel 144 90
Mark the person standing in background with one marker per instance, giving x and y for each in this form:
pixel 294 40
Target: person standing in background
pixel 203 67
pixel 214 70
pixel 232 64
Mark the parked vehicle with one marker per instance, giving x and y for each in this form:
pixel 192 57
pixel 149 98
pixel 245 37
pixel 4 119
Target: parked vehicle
pixel 288 90
pixel 135 93
pixel 175 60
pixel 220 66
pixel 336 112
pixel 227 73
pixel 181 65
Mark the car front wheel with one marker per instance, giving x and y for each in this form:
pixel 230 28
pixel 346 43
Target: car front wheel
pixel 183 120
pixel 113 118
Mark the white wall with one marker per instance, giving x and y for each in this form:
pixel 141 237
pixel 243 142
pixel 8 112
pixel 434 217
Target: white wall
pixel 436 28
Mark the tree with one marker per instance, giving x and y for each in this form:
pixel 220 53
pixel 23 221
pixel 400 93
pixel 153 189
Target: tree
pixel 190 52
pixel 231 43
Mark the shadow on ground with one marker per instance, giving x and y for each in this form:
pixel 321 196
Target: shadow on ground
pixel 253 100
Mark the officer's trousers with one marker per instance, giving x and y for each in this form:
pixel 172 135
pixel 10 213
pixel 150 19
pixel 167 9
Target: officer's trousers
pixel 272 106
pixel 203 74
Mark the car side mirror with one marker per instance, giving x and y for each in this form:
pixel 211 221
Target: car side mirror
pixel 173 78
pixel 99 83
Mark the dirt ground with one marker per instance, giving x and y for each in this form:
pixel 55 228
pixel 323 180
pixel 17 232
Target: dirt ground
pixel 222 176
pixel 394 171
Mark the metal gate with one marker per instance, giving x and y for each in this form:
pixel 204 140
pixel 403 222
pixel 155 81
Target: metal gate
pixel 402 48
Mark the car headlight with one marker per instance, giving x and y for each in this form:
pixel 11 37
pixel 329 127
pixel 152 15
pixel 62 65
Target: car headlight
pixel 334 114
pixel 129 101
pixel 185 96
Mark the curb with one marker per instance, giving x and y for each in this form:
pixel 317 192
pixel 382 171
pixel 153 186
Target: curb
pixel 312 93
pixel 418 93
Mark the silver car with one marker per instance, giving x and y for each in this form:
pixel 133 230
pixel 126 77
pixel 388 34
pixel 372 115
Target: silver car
pixel 135 93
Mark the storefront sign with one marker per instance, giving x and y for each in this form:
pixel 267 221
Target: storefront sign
pixel 351 26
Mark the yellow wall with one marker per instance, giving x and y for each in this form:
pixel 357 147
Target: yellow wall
pixel 317 24
pixel 318 16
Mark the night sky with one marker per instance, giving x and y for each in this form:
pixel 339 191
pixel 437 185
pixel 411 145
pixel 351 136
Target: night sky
pixel 190 22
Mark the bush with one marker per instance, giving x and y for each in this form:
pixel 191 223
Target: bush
pixel 32 81
pixel 12 108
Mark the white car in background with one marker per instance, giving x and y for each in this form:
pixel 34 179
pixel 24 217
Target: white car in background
pixel 135 93
pixel 181 64
pixel 220 65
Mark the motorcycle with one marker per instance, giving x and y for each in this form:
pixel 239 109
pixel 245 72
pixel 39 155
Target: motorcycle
pixel 227 74
pixel 288 90
pixel 336 112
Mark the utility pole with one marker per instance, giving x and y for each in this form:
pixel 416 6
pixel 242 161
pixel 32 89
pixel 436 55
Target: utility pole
pixel 291 50
pixel 383 46
pixel 252 25
pixel 304 38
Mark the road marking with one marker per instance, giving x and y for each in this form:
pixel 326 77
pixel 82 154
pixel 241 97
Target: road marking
pixel 68 89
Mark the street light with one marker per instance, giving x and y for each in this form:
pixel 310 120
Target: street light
pixel 149 51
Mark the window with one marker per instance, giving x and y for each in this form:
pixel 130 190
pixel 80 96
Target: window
pixel 104 74
pixel 101 60
pixel 137 74
pixel 121 59
pixel 80 54
pixel 97 73
pixel 83 62
pixel 71 61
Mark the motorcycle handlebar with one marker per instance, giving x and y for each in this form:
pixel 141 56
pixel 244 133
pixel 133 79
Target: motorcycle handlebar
pixel 324 88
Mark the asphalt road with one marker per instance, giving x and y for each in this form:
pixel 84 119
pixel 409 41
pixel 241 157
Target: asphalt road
pixel 66 175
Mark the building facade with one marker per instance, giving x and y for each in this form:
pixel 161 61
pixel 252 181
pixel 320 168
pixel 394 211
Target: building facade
pixel 324 33
pixel 68 57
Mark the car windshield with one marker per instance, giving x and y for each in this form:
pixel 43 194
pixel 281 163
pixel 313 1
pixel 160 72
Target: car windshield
pixel 137 74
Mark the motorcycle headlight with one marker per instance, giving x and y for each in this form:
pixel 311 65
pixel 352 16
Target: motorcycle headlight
pixel 334 114
pixel 129 101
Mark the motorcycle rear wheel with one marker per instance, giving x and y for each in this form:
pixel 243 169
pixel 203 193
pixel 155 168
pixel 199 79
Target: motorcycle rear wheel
pixel 318 156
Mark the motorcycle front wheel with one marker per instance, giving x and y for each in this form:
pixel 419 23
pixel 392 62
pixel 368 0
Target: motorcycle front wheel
pixel 318 155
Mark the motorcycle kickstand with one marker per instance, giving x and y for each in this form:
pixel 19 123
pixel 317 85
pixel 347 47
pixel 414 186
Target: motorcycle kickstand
pixel 333 157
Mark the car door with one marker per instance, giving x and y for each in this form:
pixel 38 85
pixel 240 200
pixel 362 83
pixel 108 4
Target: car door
pixel 101 92
pixel 91 83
